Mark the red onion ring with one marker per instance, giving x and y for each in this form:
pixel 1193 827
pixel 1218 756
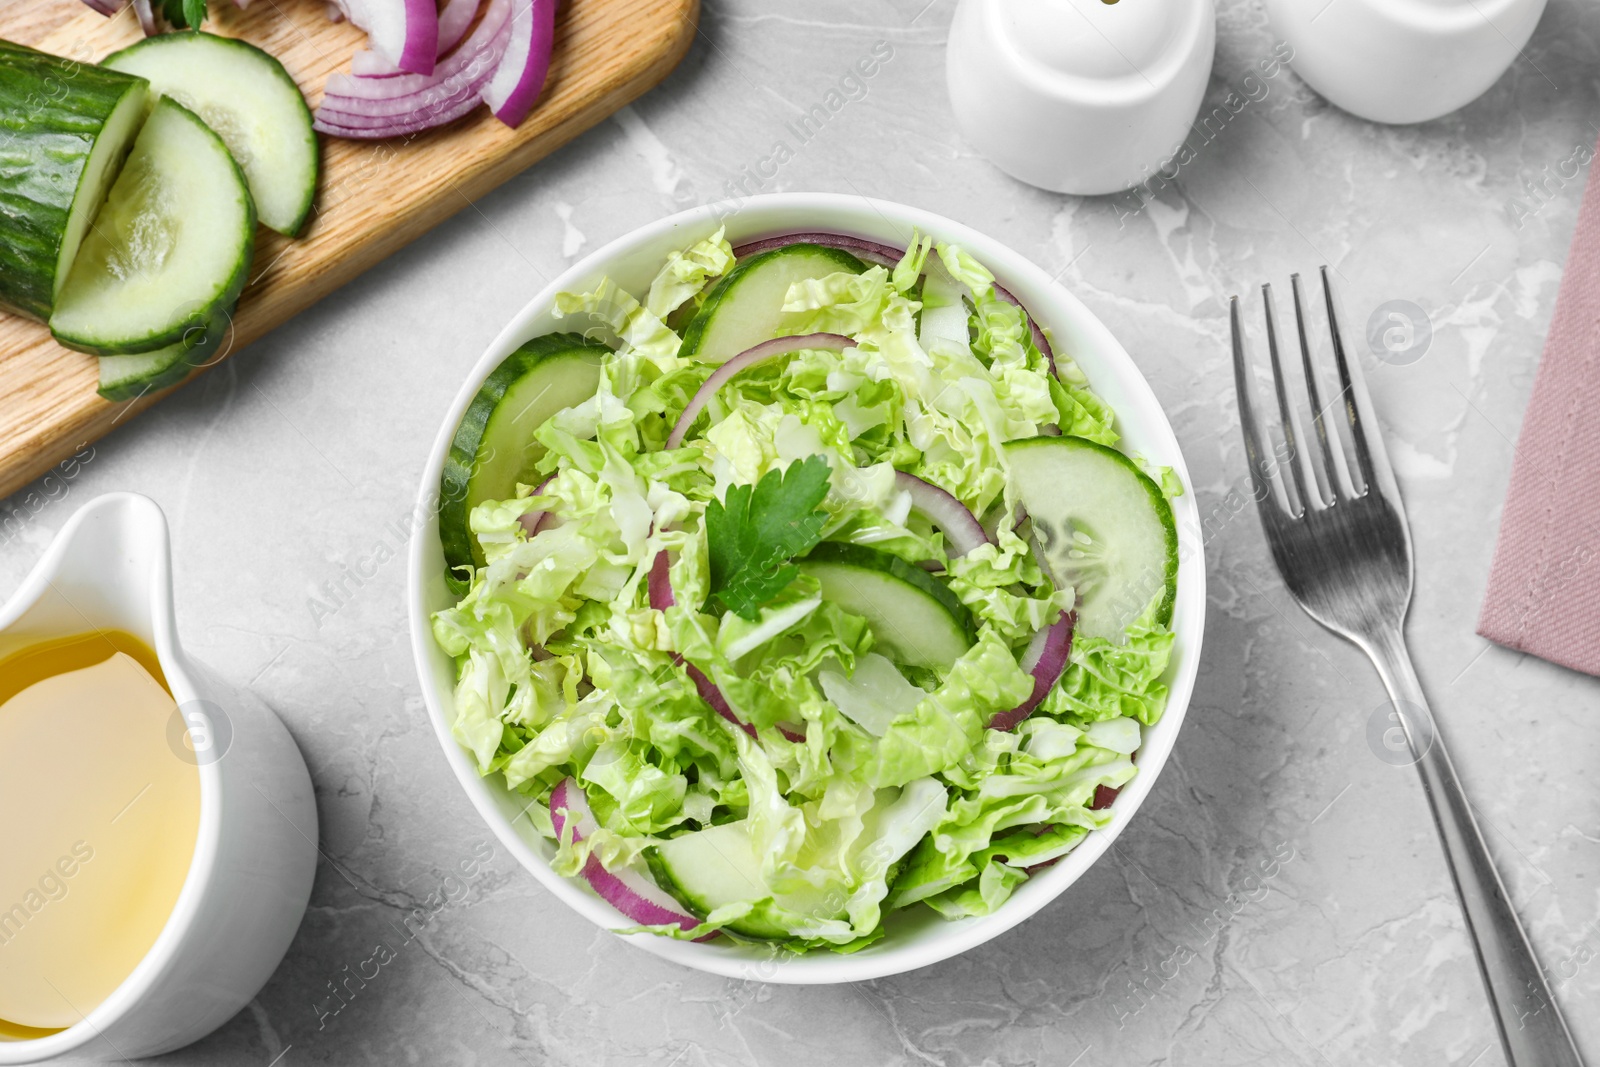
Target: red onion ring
pixel 961 528
pixel 1039 340
pixel 634 895
pixel 1045 659
pixel 454 20
pixel 377 107
pixel 105 7
pixel 659 585
pixel 405 32
pixel 864 250
pixel 534 521
pixel 713 696
pixel 750 357
pixel 147 17
pixel 519 78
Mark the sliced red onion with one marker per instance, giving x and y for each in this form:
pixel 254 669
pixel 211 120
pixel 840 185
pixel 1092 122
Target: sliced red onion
pixel 147 17
pixel 534 521
pixel 864 250
pixel 378 107
pixel 405 32
pixel 519 79
pixel 713 696
pixel 386 115
pixel 105 7
pixel 660 583
pixel 961 528
pixel 1045 659
pixel 794 731
pixel 991 525
pixel 630 892
pixel 750 357
pixel 365 63
pixel 454 21
pixel 1039 340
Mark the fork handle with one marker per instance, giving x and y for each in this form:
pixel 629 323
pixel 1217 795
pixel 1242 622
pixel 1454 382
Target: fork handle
pixel 1531 1027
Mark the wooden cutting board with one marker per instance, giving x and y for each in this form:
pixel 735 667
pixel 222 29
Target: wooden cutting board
pixel 375 197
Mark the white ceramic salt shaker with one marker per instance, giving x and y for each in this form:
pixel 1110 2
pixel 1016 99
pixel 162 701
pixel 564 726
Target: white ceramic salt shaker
pixel 1403 61
pixel 1079 96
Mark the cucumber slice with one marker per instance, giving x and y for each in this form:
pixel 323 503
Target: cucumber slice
pixel 248 100
pixel 718 865
pixel 170 249
pixel 494 447
pixel 65 129
pixel 1104 526
pixel 129 377
pixel 746 307
pixel 915 619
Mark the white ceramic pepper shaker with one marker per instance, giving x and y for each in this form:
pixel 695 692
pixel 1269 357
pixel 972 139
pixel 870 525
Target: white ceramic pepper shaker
pixel 1402 61
pixel 1079 96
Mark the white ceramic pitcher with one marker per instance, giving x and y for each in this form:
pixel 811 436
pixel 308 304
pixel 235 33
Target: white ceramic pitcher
pixel 110 568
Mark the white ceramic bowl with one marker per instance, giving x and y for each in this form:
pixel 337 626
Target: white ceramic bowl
pixel 916 937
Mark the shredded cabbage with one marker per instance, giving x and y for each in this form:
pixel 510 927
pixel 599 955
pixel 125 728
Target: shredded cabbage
pixel 868 786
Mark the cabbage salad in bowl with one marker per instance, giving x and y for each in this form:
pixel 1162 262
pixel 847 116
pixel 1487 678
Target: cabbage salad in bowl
pixel 807 586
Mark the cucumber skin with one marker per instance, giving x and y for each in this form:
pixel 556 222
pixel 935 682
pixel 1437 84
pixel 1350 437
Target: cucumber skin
pixel 156 43
pixel 895 567
pixel 198 353
pixel 694 334
pixel 1160 504
pixel 225 299
pixel 455 535
pixel 51 113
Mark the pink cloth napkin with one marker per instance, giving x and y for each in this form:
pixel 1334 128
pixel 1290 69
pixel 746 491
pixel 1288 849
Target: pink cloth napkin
pixel 1544 587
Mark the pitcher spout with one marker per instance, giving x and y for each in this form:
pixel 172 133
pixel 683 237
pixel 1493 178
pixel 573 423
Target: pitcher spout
pixel 110 568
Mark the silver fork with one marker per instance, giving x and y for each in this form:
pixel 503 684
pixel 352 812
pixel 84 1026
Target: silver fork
pixel 1344 551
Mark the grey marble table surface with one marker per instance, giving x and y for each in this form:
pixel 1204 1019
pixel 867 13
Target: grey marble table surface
pixel 294 466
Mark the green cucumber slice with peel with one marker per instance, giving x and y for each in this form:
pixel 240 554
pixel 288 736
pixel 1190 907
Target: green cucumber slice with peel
pixel 746 307
pixel 1103 527
pixel 915 620
pixel 494 447
pixel 718 865
pixel 248 100
pixel 65 129
pixel 129 377
pixel 169 250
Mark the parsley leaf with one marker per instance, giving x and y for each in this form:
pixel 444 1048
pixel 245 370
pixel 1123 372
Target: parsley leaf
pixel 184 14
pixel 756 529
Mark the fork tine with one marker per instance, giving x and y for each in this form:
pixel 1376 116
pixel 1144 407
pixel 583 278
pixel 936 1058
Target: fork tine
pixel 1291 422
pixel 1371 456
pixel 1259 478
pixel 1330 468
